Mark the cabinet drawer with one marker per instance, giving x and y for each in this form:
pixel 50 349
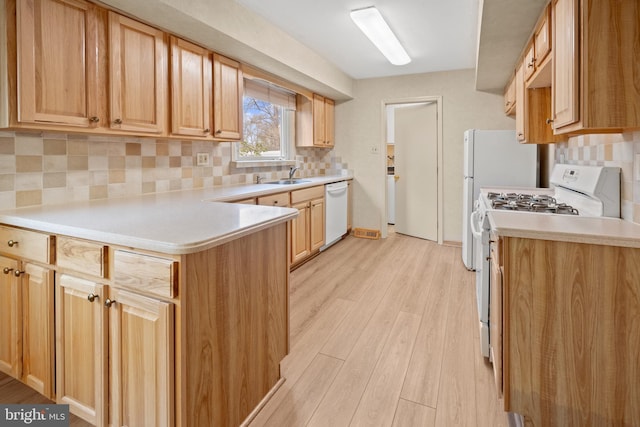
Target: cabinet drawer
pixel 298 196
pixel 251 201
pixel 26 244
pixel 146 273
pixel 82 256
pixel 280 199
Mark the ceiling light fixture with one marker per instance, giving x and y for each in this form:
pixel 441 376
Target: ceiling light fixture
pixel 373 25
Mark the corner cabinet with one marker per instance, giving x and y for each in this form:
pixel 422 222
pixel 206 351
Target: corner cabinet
pixel 595 77
pixel 137 76
pixel 315 121
pixel 58 66
pixel 228 85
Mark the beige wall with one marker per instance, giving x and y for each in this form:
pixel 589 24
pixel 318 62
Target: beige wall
pixel 359 125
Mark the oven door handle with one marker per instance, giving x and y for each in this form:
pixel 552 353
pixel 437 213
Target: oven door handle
pixel 473 220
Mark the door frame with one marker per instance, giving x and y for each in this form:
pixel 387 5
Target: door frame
pixel 440 161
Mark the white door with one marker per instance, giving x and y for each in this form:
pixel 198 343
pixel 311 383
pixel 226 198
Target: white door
pixel 416 166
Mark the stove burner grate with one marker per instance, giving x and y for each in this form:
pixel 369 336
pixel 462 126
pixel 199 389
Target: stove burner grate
pixel 529 203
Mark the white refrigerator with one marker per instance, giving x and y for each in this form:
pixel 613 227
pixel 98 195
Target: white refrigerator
pixel 492 158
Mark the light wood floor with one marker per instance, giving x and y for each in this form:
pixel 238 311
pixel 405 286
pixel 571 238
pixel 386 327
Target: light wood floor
pixel 383 333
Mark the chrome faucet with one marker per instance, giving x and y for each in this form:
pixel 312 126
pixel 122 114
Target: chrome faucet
pixel 292 171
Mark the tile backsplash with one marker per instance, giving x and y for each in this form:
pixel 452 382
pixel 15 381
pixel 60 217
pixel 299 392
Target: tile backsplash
pixel 608 150
pixel 47 168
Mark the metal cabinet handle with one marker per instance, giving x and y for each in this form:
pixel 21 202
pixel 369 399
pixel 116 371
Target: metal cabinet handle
pixel 17 273
pixel 207 130
pixel 92 297
pixel 94 119
pixel 275 202
pixel 218 132
pixel 549 121
pixel 109 302
pixel 118 121
pixel 12 243
pixel 7 270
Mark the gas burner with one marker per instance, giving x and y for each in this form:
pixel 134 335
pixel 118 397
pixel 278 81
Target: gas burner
pixel 529 203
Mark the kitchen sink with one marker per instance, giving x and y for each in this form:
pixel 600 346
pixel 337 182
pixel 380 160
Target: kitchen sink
pixel 288 181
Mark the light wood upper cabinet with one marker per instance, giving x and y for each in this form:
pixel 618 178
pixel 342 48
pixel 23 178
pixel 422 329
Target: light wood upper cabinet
pixel 227 98
pixel 315 121
pixel 542 36
pixel 57 63
pixel 533 112
pixel 595 78
pixel 510 97
pixel 137 76
pixel 529 62
pixel 565 63
pixel 81 339
pixel 191 89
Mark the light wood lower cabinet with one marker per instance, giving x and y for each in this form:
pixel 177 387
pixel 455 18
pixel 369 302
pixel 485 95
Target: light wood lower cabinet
pixel 571 332
pixel 10 319
pixel 300 238
pixel 307 230
pixel 81 348
pixel 26 331
pixel 141 360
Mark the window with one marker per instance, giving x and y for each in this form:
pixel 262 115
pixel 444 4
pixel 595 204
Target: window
pixel 268 123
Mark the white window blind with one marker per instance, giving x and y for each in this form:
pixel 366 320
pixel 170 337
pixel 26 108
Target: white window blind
pixel 271 93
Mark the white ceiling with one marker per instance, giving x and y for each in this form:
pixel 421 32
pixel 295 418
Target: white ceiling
pixel 438 35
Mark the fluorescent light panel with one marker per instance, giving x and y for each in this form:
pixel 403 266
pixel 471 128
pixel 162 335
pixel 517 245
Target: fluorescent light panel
pixel 373 25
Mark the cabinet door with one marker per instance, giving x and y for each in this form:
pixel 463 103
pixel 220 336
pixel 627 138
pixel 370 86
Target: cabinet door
pixel 510 97
pixel 227 98
pixel 81 348
pixel 495 321
pixel 529 62
pixel 37 329
pixel 317 223
pixel 300 239
pixel 10 319
pixel 542 38
pixel 137 76
pixel 565 83
pixel 521 110
pixel 57 62
pixel 141 362
pixel 318 121
pixel 190 89
pixel 329 125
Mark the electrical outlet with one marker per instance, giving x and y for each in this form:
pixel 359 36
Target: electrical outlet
pixel 374 149
pixel 202 159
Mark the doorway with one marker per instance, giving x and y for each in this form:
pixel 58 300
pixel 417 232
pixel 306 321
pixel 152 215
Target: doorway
pixel 413 130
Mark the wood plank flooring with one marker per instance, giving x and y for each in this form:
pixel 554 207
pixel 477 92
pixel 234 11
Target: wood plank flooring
pixel 383 333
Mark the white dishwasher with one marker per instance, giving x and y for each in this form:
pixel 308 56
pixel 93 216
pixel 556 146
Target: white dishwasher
pixel 335 214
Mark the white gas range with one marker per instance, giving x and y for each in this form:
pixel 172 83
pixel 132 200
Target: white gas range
pixel 578 190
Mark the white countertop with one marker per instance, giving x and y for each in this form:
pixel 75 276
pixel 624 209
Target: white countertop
pixel 565 228
pixel 178 222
